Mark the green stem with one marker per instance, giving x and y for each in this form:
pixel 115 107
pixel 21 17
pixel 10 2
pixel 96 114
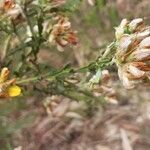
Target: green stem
pixel 32 79
pixel 101 62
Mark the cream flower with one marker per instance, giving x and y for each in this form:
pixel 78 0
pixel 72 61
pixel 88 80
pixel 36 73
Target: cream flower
pixel 133 53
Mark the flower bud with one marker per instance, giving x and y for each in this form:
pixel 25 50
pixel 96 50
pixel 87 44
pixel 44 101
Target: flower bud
pixel 135 24
pixel 120 29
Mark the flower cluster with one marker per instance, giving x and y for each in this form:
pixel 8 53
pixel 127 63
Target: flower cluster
pixel 133 52
pixel 8 87
pixel 61 33
pixel 13 10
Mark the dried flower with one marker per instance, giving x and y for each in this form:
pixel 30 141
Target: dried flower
pixel 13 11
pixel 8 4
pixel 8 88
pixel 62 35
pixel 133 53
pixel 50 103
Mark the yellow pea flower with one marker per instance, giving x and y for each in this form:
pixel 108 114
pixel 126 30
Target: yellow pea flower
pixel 8 87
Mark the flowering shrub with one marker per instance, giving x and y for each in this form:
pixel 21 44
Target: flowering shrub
pixel 30 25
pixel 33 32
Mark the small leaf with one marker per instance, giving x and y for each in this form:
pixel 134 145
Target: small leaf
pixel 96 78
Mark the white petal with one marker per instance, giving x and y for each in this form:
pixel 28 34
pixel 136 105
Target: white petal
pixel 135 71
pixel 142 35
pixel 141 54
pixel 124 44
pixel 123 77
pixel 127 83
pixel 145 43
pixel 135 23
pixel 51 38
pixel 123 23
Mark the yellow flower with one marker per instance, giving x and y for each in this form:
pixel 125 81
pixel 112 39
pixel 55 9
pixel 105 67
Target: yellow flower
pixel 8 87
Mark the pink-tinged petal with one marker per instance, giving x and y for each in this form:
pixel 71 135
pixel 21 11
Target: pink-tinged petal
pixel 120 73
pixel 142 35
pixel 135 23
pixel 137 73
pixel 142 66
pixel 123 47
pixel 8 4
pixel 67 24
pixel 124 78
pixel 127 83
pixel 60 48
pixel 124 43
pixel 145 43
pixel 62 42
pixel 140 55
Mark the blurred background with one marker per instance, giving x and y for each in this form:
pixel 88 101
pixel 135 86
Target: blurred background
pixel 25 124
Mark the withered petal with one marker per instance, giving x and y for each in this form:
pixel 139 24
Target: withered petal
pixel 135 23
pixel 145 43
pixel 136 72
pixel 140 55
